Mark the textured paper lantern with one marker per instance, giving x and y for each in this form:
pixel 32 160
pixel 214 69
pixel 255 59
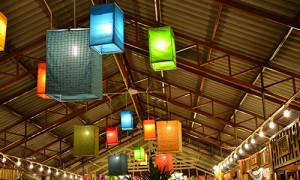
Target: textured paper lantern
pixel 169 136
pixel 107 29
pixel 149 129
pixel 41 81
pixel 112 136
pixel 117 164
pixel 126 120
pixel 164 161
pixel 145 161
pixel 139 153
pixel 3 26
pixel 74 70
pixel 162 48
pixel 86 141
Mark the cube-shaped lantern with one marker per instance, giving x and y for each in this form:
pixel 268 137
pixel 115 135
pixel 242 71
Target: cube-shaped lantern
pixel 86 140
pixel 149 129
pixel 126 120
pixel 112 136
pixel 162 48
pixel 139 153
pixel 144 162
pixel 164 162
pixel 117 164
pixel 169 136
pixel 107 29
pixel 41 81
pixel 74 70
pixel 3 26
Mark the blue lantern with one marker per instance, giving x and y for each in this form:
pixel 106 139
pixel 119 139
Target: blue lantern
pixel 107 29
pixel 126 120
pixel 117 164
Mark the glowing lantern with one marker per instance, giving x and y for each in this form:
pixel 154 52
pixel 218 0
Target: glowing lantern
pixel 139 153
pixel 107 29
pixel 41 81
pixel 74 70
pixel 144 162
pixel 149 130
pixel 162 48
pixel 117 164
pixel 112 136
pixel 169 136
pixel 126 120
pixel 164 162
pixel 86 141
pixel 3 26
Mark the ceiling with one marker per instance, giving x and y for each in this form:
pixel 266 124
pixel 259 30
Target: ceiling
pixel 237 63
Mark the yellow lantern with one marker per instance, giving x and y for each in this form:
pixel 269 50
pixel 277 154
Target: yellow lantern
pixel 3 25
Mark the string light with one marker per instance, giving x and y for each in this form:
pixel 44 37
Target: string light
pixel 261 133
pixel 49 170
pixel 30 166
pixel 227 162
pixel 241 151
pixel 230 159
pixel 65 175
pixel 41 168
pixel 3 159
pixel 286 113
pixel 271 125
pixel 71 176
pixel 235 155
pixel 246 146
pixel 57 173
pixel 19 162
pixel 76 177
pixel 252 140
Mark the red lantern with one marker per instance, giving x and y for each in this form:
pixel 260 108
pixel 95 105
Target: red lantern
pixel 112 136
pixel 41 81
pixel 164 161
pixel 149 129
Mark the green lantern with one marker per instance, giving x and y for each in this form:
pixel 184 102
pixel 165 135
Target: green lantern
pixel 162 48
pixel 139 154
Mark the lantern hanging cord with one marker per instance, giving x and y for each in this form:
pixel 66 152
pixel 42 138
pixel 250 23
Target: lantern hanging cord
pixel 49 12
pixel 74 13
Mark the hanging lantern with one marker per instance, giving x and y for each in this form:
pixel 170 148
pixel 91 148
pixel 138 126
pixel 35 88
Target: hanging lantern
pixel 112 136
pixel 164 162
pixel 139 153
pixel 3 26
pixel 74 71
pixel 41 81
pixel 149 129
pixel 107 29
pixel 117 164
pixel 86 140
pixel 162 48
pixel 126 120
pixel 169 136
pixel 144 162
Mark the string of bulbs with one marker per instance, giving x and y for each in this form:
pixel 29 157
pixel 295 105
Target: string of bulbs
pixel 245 143
pixel 41 169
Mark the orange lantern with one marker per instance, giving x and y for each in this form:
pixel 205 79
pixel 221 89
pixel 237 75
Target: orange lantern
pixel 41 81
pixel 169 136
pixel 164 162
pixel 149 129
pixel 112 136
pixel 3 26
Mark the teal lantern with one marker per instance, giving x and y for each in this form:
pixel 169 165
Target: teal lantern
pixel 117 164
pixel 126 120
pixel 74 70
pixel 86 140
pixel 107 29
pixel 139 153
pixel 162 48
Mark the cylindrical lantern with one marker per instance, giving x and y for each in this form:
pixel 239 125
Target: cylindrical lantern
pixel 3 26
pixel 162 48
pixel 139 153
pixel 169 136
pixel 86 140
pixel 117 164
pixel 74 70
pixel 107 29
pixel 41 81
pixel 112 136
pixel 164 162
pixel 149 129
pixel 126 120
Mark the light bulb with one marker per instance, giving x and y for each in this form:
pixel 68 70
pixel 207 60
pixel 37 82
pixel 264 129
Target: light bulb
pixel 271 125
pixel 49 171
pixel 41 168
pixel 169 127
pixel 65 175
pixel 227 162
pixel 230 159
pixel 75 51
pixel 215 167
pixel 71 176
pixel 76 177
pixel 57 173
pixel 30 166
pixel 261 134
pixel 221 167
pixel 235 155
pixel 240 150
pixel 252 141
pixel 246 146
pixel 286 113
pixel 224 165
pixel 3 159
pixel 81 178
pixel 19 163
pixel 87 132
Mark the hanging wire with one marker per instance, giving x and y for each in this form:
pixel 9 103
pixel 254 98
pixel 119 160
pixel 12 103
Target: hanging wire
pixel 74 13
pixel 50 13
pixel 148 105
